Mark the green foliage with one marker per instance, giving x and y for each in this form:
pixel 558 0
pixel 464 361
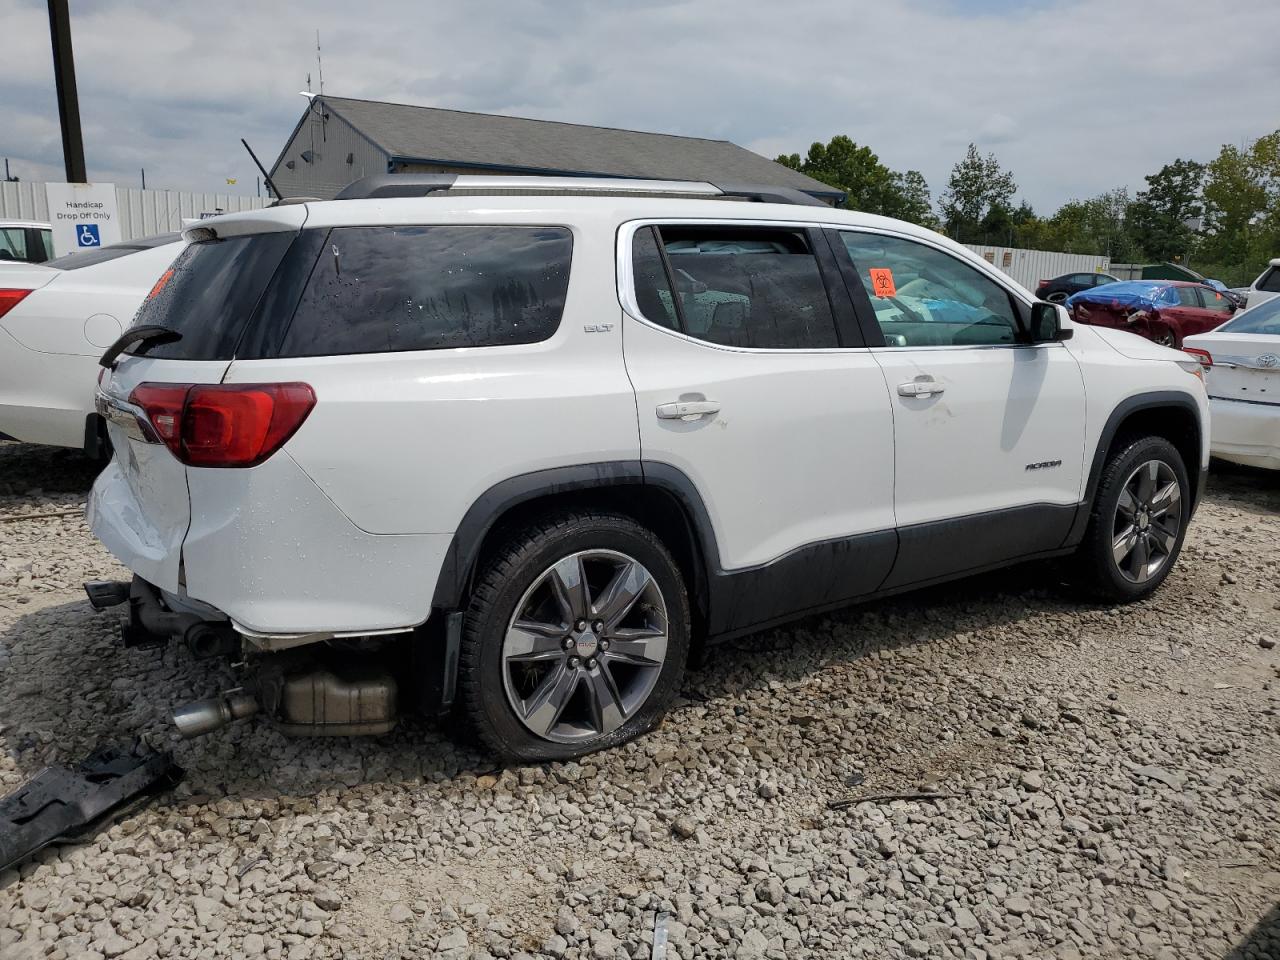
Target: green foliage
pixel 1242 211
pixel 868 184
pixel 1236 198
pixel 1160 213
pixel 976 205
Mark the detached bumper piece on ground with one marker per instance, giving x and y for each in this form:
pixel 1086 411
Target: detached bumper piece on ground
pixel 63 802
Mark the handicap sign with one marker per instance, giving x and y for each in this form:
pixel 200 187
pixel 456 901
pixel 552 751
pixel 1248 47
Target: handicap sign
pixel 87 235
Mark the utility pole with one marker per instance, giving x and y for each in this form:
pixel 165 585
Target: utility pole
pixel 64 73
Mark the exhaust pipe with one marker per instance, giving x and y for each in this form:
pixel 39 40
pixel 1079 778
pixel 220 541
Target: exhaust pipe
pixel 205 716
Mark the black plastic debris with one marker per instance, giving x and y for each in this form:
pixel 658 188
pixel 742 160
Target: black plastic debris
pixel 64 802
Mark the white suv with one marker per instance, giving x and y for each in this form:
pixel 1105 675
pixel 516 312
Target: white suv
pixel 508 450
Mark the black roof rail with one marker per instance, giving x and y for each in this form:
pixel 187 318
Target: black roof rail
pixel 396 185
pixel 392 185
pixel 763 193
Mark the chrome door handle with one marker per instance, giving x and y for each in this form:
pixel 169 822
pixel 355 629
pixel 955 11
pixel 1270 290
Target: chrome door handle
pixel 919 388
pixel 687 409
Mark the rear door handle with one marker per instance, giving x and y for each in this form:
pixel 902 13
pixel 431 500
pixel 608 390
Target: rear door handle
pixel 920 388
pixel 687 409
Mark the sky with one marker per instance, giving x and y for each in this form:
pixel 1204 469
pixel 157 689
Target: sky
pixel 1075 97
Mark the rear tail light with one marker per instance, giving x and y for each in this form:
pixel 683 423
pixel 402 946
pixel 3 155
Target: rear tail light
pixel 1043 283
pixel 224 424
pixel 10 299
pixel 1205 358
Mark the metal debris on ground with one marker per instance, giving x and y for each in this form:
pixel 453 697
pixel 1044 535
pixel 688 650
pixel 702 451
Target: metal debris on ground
pixel 62 802
pixel 660 936
pixel 845 802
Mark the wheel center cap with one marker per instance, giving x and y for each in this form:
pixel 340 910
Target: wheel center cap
pixel 585 643
pixel 1143 520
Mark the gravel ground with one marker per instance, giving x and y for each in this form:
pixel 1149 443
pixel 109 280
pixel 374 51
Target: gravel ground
pixel 1116 782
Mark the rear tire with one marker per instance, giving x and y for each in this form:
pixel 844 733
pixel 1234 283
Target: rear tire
pixel 575 638
pixel 1137 523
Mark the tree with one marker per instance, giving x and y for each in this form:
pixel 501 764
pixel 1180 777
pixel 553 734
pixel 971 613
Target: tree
pixel 1241 210
pixel 913 201
pixel 868 184
pixel 978 191
pixel 1158 216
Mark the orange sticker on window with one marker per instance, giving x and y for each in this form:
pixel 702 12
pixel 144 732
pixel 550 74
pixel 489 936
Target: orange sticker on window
pixel 882 282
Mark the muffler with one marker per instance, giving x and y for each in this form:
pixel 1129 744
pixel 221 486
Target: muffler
pixel 205 716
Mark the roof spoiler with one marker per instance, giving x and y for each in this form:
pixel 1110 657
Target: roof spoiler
pixel 400 185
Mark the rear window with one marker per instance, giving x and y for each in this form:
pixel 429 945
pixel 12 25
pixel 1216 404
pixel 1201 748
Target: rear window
pixel 87 258
pixel 390 289
pixel 1270 281
pixel 209 294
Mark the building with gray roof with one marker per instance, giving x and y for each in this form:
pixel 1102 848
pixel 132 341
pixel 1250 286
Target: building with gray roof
pixel 338 140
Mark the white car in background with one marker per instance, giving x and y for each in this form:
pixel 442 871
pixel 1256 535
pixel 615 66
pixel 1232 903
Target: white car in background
pixel 56 319
pixel 1242 370
pixel 25 241
pixel 1266 286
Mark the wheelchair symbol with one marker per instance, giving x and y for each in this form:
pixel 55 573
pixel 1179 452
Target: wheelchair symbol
pixel 87 235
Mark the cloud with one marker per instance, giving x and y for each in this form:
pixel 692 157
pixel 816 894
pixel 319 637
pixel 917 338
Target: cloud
pixel 997 128
pixel 1074 96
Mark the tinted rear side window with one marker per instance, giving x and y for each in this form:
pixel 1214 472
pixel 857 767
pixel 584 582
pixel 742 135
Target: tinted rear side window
pixel 653 292
pixel 748 287
pixel 1270 281
pixel 389 289
pixel 209 294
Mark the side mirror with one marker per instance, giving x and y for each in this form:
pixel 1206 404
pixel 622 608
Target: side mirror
pixel 1046 324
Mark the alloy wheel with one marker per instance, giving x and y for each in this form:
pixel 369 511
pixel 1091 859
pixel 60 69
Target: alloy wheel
pixel 585 646
pixel 1147 521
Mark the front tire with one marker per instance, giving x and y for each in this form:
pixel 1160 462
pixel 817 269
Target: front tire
pixel 575 639
pixel 1138 521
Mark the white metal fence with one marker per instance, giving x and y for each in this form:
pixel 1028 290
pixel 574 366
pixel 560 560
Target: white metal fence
pixel 1029 267
pixel 142 212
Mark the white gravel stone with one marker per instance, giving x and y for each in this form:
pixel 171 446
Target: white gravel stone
pixel 1111 767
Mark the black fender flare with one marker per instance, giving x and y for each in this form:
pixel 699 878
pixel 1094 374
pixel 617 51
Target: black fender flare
pixel 1130 405
pixel 464 550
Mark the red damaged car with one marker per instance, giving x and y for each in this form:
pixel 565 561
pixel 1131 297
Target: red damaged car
pixel 1165 311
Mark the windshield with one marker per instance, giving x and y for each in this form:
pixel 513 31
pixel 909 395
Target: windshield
pixel 1263 319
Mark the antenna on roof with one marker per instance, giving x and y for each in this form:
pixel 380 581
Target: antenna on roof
pixel 319 64
pixel 265 176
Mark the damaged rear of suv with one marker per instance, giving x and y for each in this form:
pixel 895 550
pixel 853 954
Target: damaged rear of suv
pixel 330 340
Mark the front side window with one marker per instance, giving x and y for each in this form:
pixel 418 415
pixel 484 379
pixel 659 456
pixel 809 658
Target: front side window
pixel 737 286
pixel 390 289
pixel 1215 301
pixel 923 297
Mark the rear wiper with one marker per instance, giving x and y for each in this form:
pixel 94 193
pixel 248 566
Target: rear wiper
pixel 147 334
